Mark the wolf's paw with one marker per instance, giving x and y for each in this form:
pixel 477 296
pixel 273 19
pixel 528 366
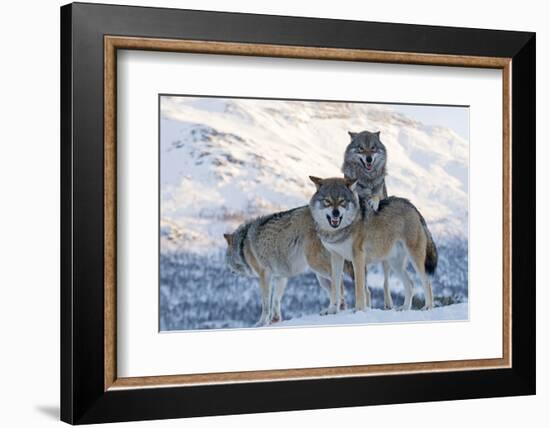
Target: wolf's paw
pixel 262 323
pixel 361 308
pixel 426 307
pixel 275 319
pixel 373 203
pixel 402 308
pixel 331 310
pixel 388 306
pixel 343 305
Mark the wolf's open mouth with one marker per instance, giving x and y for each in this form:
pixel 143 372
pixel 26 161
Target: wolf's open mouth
pixel 334 221
pixel 366 165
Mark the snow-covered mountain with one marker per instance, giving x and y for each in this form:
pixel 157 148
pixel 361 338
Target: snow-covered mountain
pixel 224 161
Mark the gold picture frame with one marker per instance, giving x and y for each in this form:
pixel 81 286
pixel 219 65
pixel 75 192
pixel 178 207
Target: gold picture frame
pixel 114 43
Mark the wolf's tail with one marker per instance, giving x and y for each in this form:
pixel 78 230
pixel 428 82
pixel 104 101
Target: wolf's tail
pixel 430 262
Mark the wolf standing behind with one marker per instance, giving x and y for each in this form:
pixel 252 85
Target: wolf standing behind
pixel 274 248
pixel 365 162
pixel 396 233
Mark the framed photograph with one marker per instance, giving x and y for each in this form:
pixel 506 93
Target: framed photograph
pixel 265 213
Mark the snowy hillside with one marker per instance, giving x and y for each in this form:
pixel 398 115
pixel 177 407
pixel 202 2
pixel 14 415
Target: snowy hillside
pixel 225 161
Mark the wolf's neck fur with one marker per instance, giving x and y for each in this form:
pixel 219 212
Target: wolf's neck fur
pixel 368 183
pixel 373 180
pixel 340 235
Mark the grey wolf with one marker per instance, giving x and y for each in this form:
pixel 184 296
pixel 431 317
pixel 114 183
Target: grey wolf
pixel 365 161
pixel 274 248
pixel 396 233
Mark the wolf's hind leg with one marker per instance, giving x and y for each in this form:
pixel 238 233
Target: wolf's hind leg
pixel 367 290
pixel 265 291
pixel 278 291
pixel 428 293
pixel 388 302
pixel 418 263
pixel 399 267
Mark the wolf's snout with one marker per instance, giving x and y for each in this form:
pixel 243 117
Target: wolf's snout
pixel 368 165
pixel 334 220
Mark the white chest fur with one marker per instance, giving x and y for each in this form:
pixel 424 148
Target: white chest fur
pixel 344 248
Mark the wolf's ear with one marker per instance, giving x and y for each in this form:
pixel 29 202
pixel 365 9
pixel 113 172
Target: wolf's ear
pixel 229 238
pixel 352 134
pixel 377 133
pixel 317 181
pixel 351 183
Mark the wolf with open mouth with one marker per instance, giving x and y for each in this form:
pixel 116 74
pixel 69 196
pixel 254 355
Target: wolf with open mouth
pixel 365 162
pixel 276 247
pixel 396 234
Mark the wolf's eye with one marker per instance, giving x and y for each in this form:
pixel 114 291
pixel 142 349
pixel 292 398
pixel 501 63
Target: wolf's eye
pixel 326 202
pixel 342 203
pixel 360 150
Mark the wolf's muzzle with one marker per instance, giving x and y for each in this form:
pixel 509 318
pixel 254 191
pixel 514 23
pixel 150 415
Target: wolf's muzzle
pixel 334 221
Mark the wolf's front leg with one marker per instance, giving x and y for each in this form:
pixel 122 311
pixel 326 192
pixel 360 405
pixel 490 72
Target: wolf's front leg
pixel 374 202
pixel 265 291
pixel 362 294
pixel 278 291
pixel 337 266
pixel 343 305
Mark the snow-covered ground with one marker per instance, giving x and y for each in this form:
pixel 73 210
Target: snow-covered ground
pixel 225 161
pixel 451 312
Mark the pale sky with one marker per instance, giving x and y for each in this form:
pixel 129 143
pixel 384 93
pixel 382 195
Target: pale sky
pixel 456 118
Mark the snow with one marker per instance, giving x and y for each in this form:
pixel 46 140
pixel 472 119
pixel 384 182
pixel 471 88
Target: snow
pixel 376 316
